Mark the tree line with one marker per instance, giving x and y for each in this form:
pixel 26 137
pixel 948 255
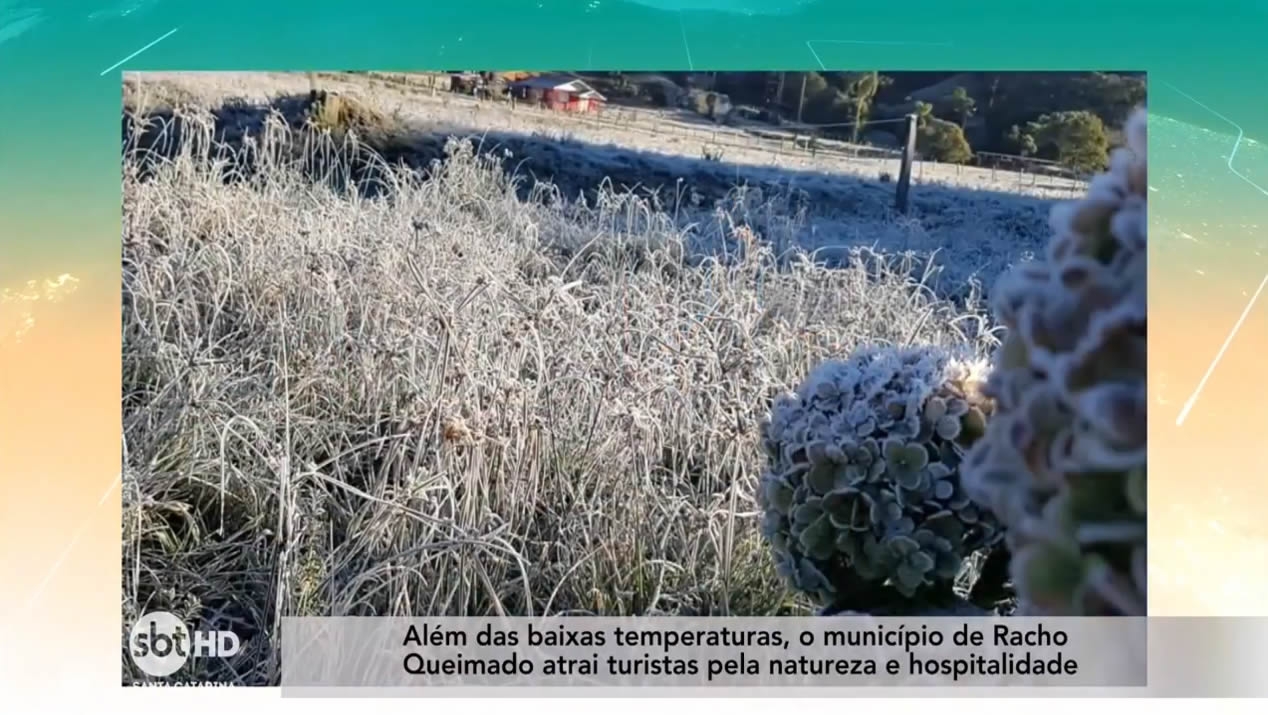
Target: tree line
pixel 1072 118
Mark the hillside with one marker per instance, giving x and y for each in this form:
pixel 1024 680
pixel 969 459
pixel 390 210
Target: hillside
pixel 985 105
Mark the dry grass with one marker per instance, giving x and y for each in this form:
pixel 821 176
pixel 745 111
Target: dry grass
pixel 972 232
pixel 458 396
pixel 662 132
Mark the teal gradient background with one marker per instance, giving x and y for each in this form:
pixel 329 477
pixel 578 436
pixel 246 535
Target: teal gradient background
pixel 60 74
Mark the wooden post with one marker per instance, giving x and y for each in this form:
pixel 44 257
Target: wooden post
pixel 904 170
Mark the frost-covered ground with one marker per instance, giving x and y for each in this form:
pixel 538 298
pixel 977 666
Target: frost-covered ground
pixel 476 391
pixel 463 397
pixel 971 226
pixel 661 131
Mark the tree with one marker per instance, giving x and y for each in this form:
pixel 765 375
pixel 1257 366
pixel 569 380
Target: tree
pixel 813 85
pixel 990 101
pixel 1021 142
pixel 962 105
pixel 942 141
pixel 1078 139
pixel 828 107
pixel 939 139
pixel 1022 97
pixel 862 90
pixel 924 112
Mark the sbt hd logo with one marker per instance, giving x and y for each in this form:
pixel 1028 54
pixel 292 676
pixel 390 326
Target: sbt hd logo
pixel 160 644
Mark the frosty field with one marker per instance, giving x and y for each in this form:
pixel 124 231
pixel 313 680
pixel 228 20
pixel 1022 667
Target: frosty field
pixel 466 395
pixel 978 221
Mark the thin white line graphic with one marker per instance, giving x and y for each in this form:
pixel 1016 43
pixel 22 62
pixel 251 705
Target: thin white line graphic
pixel 1197 391
pixel 120 63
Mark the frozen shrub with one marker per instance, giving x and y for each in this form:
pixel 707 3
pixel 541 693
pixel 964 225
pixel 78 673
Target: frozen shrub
pixel 1063 463
pixel 861 496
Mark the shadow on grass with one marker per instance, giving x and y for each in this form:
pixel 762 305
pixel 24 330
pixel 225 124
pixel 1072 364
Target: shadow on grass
pixel 579 169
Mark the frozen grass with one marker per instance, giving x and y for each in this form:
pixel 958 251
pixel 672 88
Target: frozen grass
pixel 459 397
pixel 663 132
pixel 973 231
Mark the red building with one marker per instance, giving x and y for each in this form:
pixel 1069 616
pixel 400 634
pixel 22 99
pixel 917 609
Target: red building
pixel 560 93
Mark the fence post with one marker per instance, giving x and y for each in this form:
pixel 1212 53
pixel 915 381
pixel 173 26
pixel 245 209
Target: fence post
pixel 904 170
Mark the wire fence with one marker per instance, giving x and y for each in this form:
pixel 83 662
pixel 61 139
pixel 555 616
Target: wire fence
pixel 802 144
pixel 808 139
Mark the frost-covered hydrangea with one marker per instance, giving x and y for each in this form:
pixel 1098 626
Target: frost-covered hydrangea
pixel 861 495
pixel 1063 462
